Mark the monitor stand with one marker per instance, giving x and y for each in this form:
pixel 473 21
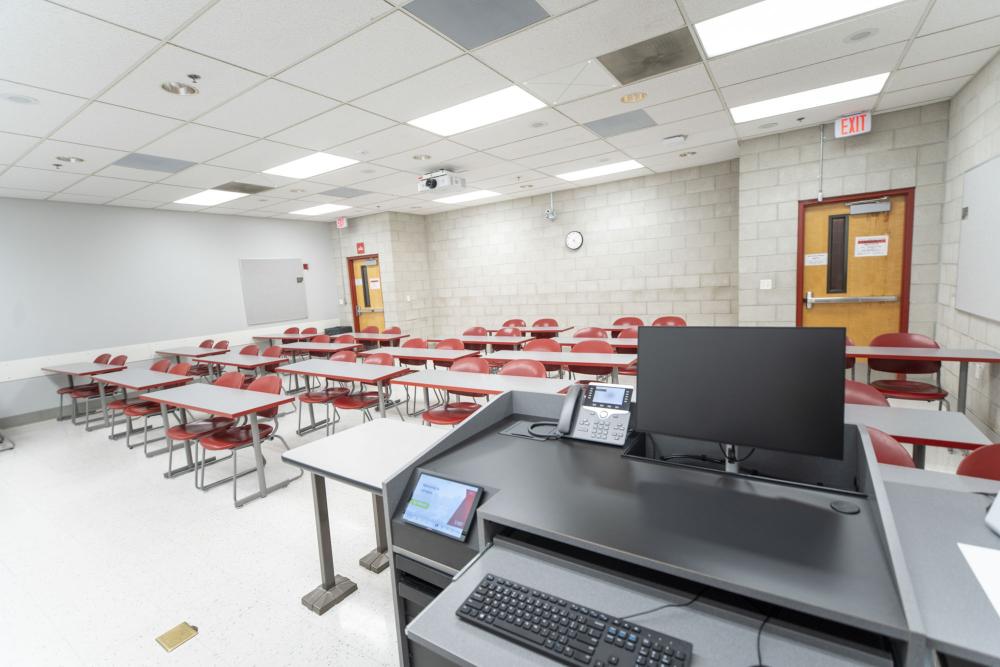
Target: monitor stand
pixel 732 457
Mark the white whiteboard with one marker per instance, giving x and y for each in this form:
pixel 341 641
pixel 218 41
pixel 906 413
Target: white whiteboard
pixel 274 290
pixel 978 288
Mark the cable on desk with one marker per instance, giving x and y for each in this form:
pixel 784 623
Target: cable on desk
pixel 665 606
pixel 695 457
pixel 554 435
pixel 760 631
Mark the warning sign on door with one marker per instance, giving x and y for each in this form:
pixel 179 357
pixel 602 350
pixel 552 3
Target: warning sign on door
pixel 871 246
pixel 816 259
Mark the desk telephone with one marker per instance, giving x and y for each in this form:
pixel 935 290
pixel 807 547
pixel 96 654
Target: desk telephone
pixel 596 412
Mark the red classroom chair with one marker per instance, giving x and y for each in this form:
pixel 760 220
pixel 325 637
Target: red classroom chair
pixel 627 333
pixel 201 369
pixel 366 400
pixel 221 345
pixel 528 368
pixel 544 345
pixel 545 322
pixel 321 338
pixel 345 338
pixel 626 321
pixel 888 450
pixel 592 346
pixel 147 409
pixel 371 329
pixel 415 343
pixel 393 330
pixel 906 389
pixel 451 414
pixel 325 395
pixel 669 321
pixel 68 390
pixel 859 393
pixel 202 427
pixel 516 322
pixel 508 332
pixel 590 332
pixel 290 330
pixel 309 330
pixel 448 344
pixel 119 404
pixel 88 391
pixel 983 462
pixel 475 331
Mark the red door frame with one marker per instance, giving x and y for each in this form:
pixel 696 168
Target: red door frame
pixel 350 285
pixel 909 195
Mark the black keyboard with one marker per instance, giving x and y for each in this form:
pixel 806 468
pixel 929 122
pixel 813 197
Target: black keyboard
pixel 567 632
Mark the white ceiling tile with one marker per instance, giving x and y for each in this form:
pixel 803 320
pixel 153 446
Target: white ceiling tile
pixel 669 86
pixel 133 203
pixel 383 53
pixel 718 121
pixel 405 204
pixel 718 152
pixel 942 90
pixel 363 171
pixel 593 30
pixel 163 193
pixel 114 127
pixel 206 176
pixel 59 49
pixel 945 15
pixel 298 190
pixel 654 146
pixel 22 178
pixel 520 177
pixel 79 199
pixel 141 90
pixel 939 70
pixel 544 143
pixel 396 183
pixel 266 109
pixel 360 201
pixel 196 143
pixel 152 17
pixel 573 82
pixel 222 210
pixel 890 25
pixel 35 119
pixel 387 142
pixel 525 126
pixel 269 35
pixel 260 155
pixel 334 127
pixel 252 202
pixel 579 151
pixel 554 7
pixel 24 194
pixel 964 39
pixel 187 208
pixel 457 81
pixel 809 118
pixel 699 10
pixel 13 146
pixel 99 186
pixel 593 161
pixel 826 73
pixel 688 107
pixel 129 174
pixel 44 157
pixel 441 152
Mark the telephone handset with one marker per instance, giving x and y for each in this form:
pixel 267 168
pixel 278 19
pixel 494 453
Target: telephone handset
pixel 569 408
pixel 596 412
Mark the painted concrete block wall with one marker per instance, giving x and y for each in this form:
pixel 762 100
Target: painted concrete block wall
pixel 663 244
pixel 974 138
pixel 906 148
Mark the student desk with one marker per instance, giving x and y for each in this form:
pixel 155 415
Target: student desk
pixel 189 351
pixel 963 357
pixel 535 331
pixel 596 360
pixel 379 338
pixel 362 457
pixel 348 372
pixel 488 341
pixel 252 362
pixel 270 338
pixel 136 379
pixel 223 402
pixel 82 369
pixel 624 344
pixel 423 353
pixel 325 348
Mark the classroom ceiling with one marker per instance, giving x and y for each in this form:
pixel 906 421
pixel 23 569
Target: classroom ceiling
pixel 282 80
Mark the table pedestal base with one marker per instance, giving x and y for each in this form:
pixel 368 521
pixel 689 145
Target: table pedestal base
pixel 374 560
pixel 320 600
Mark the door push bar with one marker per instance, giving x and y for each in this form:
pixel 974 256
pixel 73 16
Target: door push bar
pixel 811 300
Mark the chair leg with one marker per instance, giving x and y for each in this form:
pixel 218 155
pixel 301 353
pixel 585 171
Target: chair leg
pixel 328 420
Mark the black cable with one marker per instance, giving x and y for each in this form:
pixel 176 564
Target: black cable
pixel 665 606
pixel 554 435
pixel 737 460
pixel 696 457
pixel 760 631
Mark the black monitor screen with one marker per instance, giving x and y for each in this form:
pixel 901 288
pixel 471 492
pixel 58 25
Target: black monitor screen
pixel 773 388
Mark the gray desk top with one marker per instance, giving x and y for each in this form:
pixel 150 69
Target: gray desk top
pixel 628 343
pixel 921 427
pixel 285 336
pixel 488 383
pixel 244 360
pixel 484 340
pixel 924 353
pixel 141 379
pixel 221 401
pixel 343 370
pixel 931 523
pixel 379 337
pixel 365 456
pixel 190 351
pixel 82 369
pixel 555 329
pixel 937 480
pixel 318 347
pixel 423 353
pixel 567 358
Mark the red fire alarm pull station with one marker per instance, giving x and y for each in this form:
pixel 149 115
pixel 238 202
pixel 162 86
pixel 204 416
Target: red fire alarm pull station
pixel 305 266
pixel 359 247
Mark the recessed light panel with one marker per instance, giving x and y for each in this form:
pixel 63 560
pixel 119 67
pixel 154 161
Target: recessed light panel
pixel 311 165
pixel 497 106
pixel 467 196
pixel 621 123
pixel 344 192
pixel 809 99
pixel 320 210
pixel 210 198
pixel 603 170
pixel 153 163
pixel 771 19
pixel 245 188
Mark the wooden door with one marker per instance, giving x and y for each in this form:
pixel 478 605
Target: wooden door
pixel 366 295
pixel 854 268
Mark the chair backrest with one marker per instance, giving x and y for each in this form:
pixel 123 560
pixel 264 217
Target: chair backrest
pixel 524 367
pixel 471 365
pixel 269 384
pixel 888 449
pixel 983 462
pixel 630 321
pixel 273 351
pixel 380 359
pixel 344 355
pixel 542 345
pixel 119 360
pixel 859 393
pixel 371 329
pixel 344 338
pixel 102 358
pixel 509 331
pixel 160 366
pixel 233 380
pixel 416 342
pixel 292 330
pixel 321 338
pixel 392 330
pixel 593 346
pixel 310 330
pixel 250 349
pixel 206 343
pixel 222 345
pixel 182 368
pixel 545 322
pixel 516 322
pixel 590 332
pixel 904 366
pixel 449 344
pixel 629 332
pixel 669 321
pixel 475 331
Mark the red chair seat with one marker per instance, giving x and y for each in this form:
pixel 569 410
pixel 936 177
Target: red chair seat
pixel 198 429
pixel 142 409
pixel 199 370
pixel 70 390
pixel 449 415
pixel 231 438
pixel 121 404
pixel 324 395
pixel 361 401
pixel 910 389
pixel 86 391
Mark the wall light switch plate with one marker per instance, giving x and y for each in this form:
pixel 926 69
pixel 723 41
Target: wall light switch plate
pixel 341 302
pixel 978 372
pixel 766 283
pixel 409 298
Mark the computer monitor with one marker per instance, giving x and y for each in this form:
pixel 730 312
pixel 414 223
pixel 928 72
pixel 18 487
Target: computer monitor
pixel 769 387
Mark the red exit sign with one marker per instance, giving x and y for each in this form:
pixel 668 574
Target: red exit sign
pixel 849 126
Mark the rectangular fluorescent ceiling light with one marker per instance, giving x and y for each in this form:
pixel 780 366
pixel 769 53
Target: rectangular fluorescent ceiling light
pixel 468 196
pixel 501 105
pixel 320 210
pixel 810 99
pixel 210 198
pixel 603 170
pixel 763 21
pixel 310 165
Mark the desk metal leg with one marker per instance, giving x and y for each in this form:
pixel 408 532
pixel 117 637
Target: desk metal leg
pixel 381 399
pixel 333 587
pixel 614 375
pixel 963 384
pixel 104 401
pixel 377 559
pixel 919 455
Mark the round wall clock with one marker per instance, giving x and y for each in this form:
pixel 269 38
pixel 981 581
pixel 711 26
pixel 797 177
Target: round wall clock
pixel 574 240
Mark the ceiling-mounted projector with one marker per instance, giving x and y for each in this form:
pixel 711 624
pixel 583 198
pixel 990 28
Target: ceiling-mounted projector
pixel 440 180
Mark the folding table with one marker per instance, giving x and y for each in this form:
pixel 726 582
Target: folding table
pixel 379 337
pixel 82 369
pixel 270 338
pixel 136 379
pixel 423 353
pixel 480 383
pixel 254 362
pixel 363 457
pixel 484 340
pixel 537 330
pixel 596 360
pixel 189 351
pixel 624 344
pixel 325 348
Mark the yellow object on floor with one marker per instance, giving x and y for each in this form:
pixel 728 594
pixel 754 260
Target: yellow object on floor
pixel 176 636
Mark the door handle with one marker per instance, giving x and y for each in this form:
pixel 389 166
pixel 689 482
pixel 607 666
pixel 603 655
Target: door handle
pixel 811 300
